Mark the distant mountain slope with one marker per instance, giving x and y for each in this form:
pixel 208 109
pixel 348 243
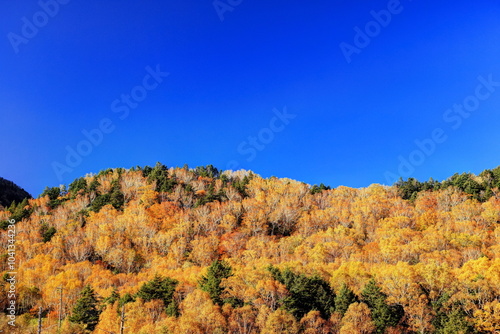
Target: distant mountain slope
pixel 10 192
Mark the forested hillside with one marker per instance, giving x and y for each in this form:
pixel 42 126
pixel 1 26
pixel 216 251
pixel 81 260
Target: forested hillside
pixel 10 192
pixel 179 250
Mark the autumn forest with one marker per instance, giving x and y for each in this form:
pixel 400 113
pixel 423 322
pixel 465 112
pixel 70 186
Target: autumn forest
pixel 198 250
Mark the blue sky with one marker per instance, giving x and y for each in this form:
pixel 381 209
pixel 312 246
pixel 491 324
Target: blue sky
pixel 351 118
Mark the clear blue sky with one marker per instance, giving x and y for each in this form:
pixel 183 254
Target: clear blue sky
pixel 353 120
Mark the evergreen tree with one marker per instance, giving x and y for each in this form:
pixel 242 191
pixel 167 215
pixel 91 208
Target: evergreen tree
pixel 162 288
pixel 53 194
pixel 99 202
pixel 160 175
pixel 317 189
pixel 211 283
pixel 77 185
pixel 116 197
pixel 94 185
pixel 47 232
pixel 86 309
pixel 344 298
pixel 383 315
pixel 241 185
pixel 306 293
pixel 207 171
pixel 454 322
pixel 146 170
pixel 20 210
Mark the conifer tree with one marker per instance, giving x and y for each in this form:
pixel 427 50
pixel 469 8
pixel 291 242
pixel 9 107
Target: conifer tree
pixel 86 309
pixel 162 288
pixel 344 298
pixel 117 199
pixel 383 315
pixel 306 293
pixel 455 323
pixel 211 283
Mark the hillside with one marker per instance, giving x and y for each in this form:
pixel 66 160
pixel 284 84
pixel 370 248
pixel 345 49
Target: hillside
pixel 10 192
pixel 181 250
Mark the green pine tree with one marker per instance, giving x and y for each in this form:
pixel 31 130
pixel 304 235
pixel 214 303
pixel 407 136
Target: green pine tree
pixel 211 283
pixel 455 323
pixel 162 288
pixel 53 194
pixel 383 315
pixel 20 211
pixel 117 199
pixel 86 309
pixel 306 293
pixel 47 232
pixel 344 298
pixel 77 185
pixel 94 185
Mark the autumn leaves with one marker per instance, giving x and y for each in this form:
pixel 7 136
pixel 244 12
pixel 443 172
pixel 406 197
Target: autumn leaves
pixel 342 260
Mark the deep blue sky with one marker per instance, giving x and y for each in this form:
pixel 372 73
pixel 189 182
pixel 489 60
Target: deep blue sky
pixel 353 120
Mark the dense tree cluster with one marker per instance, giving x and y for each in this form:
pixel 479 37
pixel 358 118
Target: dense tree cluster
pixel 182 250
pixel 480 187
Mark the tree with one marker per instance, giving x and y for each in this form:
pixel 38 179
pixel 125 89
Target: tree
pixel 420 315
pixel 344 298
pixel 488 319
pixel 109 319
pixel 306 293
pixel 127 298
pixel 280 322
pixel 455 323
pixel 86 310
pixel 53 194
pixel 318 189
pixel 114 297
pixel 211 283
pixel 160 175
pixel 242 320
pixel 116 198
pixel 100 201
pixel 47 232
pixel 357 320
pixel 207 171
pixel 383 315
pixel 77 185
pixel 200 315
pixel 313 323
pixel 162 288
pixel 21 210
